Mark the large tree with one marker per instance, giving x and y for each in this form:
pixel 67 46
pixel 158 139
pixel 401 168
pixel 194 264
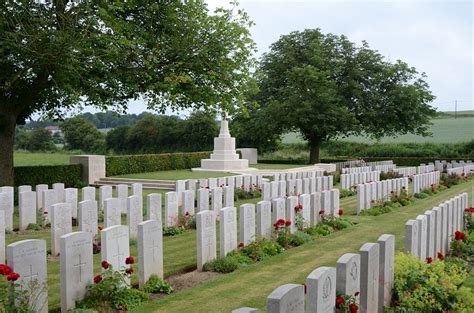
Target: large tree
pixel 58 55
pixel 324 87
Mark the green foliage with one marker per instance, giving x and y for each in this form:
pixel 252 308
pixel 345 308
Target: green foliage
pixel 39 139
pixel 319 230
pixel 449 180
pixel 326 93
pixel 80 134
pixel 131 164
pixel 376 211
pixel 113 291
pixel 299 238
pixel 33 226
pixel 347 193
pixel 173 230
pixel 335 222
pixel 157 285
pixel 261 249
pixel 423 287
pixel 421 195
pixel 70 175
pixel 227 264
pixel 241 194
pixel 389 175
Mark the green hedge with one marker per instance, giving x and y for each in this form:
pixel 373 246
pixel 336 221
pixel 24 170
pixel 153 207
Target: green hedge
pixel 399 161
pixel 131 164
pixel 70 175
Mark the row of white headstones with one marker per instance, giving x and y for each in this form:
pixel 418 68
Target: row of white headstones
pixel 369 273
pixel 60 214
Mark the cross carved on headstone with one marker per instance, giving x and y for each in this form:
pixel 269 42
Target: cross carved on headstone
pixel 80 265
pixel 31 275
pixel 154 246
pixel 118 255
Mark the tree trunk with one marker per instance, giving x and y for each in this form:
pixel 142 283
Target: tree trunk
pixel 314 152
pixel 7 139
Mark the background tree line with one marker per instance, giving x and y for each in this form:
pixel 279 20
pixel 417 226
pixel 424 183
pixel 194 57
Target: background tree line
pixel 149 134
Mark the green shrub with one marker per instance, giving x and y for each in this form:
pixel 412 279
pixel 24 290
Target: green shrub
pixel 347 193
pixel 131 164
pixel 423 287
pixel 449 180
pixel 241 194
pixel 376 211
pixel 173 230
pixel 227 264
pixel 319 230
pixel 261 249
pixel 157 285
pixel 299 238
pixel 335 222
pixel 70 175
pixel 33 226
pixel 421 195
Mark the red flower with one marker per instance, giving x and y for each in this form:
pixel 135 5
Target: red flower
pixel 298 207
pixel 105 264
pixel 339 301
pixel 353 308
pixel 357 294
pixel 321 212
pixel 288 223
pixel 97 279
pixel 129 260
pixel 45 212
pixel 129 270
pixel 459 235
pixel 5 269
pixel 280 222
pixel 440 256
pixel 13 276
pixel 122 308
pixel 241 245
pixel 429 260
pixel 340 212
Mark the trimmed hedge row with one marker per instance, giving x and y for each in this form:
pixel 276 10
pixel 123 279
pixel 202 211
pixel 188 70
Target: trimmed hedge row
pixel 70 175
pixel 132 164
pixel 399 161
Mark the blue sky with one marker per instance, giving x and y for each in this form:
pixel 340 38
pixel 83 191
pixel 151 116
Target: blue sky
pixel 436 37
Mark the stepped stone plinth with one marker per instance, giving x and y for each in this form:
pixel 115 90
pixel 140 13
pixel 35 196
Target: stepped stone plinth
pixel 224 157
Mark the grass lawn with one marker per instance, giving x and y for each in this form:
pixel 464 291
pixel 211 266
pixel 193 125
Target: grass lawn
pixel 264 166
pixel 22 158
pixel 176 175
pixel 445 130
pixel 251 285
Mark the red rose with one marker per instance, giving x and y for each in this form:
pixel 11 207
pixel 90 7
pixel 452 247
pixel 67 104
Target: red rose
pixel 105 265
pixel 340 212
pixel 45 212
pixel 13 276
pixel 459 235
pixel 281 222
pixel 339 301
pixel 129 260
pixel 5 269
pixel 440 256
pixel 129 270
pixel 356 294
pixel 241 245
pixel 97 279
pixel 429 260
pixel 321 212
pixel 288 223
pixel 353 308
pixel 298 207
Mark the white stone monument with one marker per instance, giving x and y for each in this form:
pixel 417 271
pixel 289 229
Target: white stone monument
pixel 224 157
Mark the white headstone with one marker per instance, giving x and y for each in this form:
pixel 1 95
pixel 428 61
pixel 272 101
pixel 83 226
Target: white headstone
pixel 291 203
pixel 348 274
pixel 305 201
pixel 150 250
pixel 205 237
pixel 122 195
pixel 87 217
pixel 411 237
pixel 278 209
pixel 6 205
pixel 27 209
pixel 2 236
pixel 76 268
pixel 59 187
pixel 264 220
pixel 28 258
pixel 88 193
pixel 61 224
pixel 228 196
pixel 321 290
pixel 115 246
pixel 134 216
pixel 228 230
pixel 315 208
pixel 247 223
pixel 70 197
pixel 288 298
pixel 137 190
pixel 386 270
pixel 369 277
pixel 202 200
pixel 105 192
pixel 112 212
pixel 188 202
pixel 39 195
pixel 171 208
pixel 154 206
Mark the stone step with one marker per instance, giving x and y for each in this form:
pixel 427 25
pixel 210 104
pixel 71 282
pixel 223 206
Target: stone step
pixel 147 183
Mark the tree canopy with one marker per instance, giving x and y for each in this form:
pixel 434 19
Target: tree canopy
pixel 63 54
pixel 324 87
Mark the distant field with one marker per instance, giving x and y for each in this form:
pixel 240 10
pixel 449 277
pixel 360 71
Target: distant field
pixel 445 130
pixel 29 159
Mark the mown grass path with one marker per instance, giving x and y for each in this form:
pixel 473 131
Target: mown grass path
pixel 251 285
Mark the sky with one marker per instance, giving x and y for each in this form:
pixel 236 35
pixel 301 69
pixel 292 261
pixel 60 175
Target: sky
pixel 435 37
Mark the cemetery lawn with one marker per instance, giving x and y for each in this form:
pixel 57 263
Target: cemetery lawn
pixel 251 285
pixel 22 158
